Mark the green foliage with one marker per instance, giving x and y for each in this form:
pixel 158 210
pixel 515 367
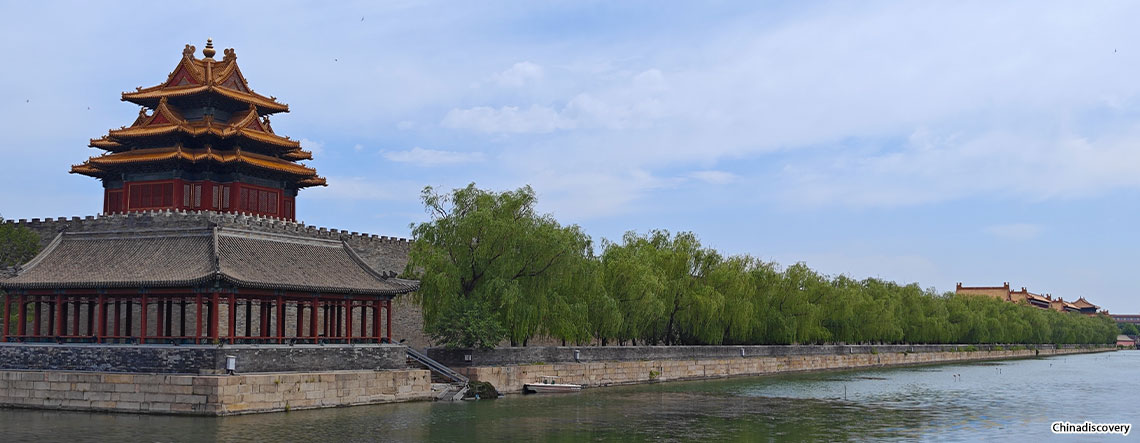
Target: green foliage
pixel 491 258
pixel 673 291
pixel 493 269
pixel 17 245
pixel 467 325
pixel 481 390
pixel 1128 329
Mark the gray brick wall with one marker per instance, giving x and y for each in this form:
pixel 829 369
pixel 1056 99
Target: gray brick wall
pixel 205 359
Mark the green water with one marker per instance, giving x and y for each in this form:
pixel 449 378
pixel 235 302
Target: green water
pixel 1010 400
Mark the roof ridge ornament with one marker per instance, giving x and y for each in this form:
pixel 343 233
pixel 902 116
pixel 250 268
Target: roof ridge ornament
pixel 228 54
pixel 209 51
pixel 188 51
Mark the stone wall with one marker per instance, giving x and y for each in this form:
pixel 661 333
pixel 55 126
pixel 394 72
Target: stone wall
pixel 383 253
pixel 585 354
pixel 199 359
pixel 208 395
pixel 632 370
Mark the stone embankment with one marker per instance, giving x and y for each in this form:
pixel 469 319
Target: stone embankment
pixel 209 394
pixel 509 369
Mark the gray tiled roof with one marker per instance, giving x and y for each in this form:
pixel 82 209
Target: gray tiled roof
pixel 201 257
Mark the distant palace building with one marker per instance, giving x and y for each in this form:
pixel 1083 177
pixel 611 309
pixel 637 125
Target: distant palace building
pixel 1005 293
pixel 198 242
pixel 202 141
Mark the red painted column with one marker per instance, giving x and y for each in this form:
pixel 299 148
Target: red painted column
pixel 38 308
pixel 75 319
pixel 197 316
pixel 118 313
pixel 389 324
pixel 233 317
pixel 263 307
pixel 142 319
pixel 129 317
pixel 280 319
pixel 7 314
pixel 214 315
pixel 91 316
pixel 160 322
pixel 169 317
pixel 339 312
pixel 248 318
pixel 60 327
pixel 102 320
pixel 376 306
pixel 363 319
pixel 22 327
pixel 348 320
pixel 325 314
pixel 313 317
pixel 300 319
pixel 182 316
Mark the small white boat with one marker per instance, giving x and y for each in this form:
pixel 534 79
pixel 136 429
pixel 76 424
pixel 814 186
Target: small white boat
pixel 550 384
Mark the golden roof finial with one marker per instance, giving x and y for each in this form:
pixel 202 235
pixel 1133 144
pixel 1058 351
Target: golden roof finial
pixel 209 51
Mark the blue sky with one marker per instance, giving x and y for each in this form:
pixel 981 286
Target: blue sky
pixel 929 142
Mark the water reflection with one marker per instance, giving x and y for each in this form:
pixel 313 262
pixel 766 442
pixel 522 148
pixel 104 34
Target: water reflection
pixel 1013 400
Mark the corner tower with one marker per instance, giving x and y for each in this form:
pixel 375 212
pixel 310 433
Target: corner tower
pixel 202 141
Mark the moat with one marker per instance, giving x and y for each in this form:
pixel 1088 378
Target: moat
pixel 1003 400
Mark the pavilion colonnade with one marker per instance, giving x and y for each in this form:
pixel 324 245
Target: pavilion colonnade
pixel 195 316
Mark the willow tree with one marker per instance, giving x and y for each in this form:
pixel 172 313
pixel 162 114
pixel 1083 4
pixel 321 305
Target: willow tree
pixel 631 280
pixel 17 245
pixel 668 287
pixel 490 256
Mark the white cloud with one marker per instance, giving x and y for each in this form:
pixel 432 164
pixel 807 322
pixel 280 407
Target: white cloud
pixel 364 189
pixel 316 147
pixel 431 157
pixel 507 119
pixel 931 168
pixel 358 147
pixel 519 74
pixel 586 194
pixel 714 177
pixel 632 102
pixel 1015 231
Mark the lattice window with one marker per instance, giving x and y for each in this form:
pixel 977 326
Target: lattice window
pixel 114 201
pixel 150 195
